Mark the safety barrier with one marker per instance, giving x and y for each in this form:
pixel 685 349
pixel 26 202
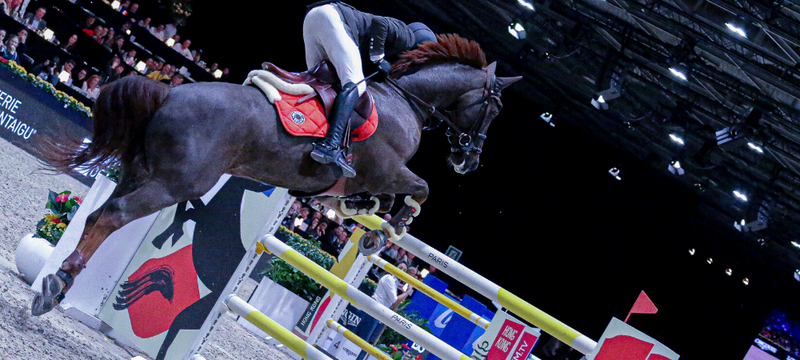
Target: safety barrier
pixel 240 307
pixel 427 290
pixel 363 344
pixel 406 328
pixel 485 287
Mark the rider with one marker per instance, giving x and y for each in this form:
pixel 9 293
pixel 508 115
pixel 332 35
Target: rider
pixel 337 32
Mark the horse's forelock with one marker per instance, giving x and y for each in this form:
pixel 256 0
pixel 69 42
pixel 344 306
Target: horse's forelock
pixel 450 48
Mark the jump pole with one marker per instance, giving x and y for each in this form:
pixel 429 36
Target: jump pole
pixel 485 287
pixel 240 307
pixel 363 344
pixel 427 290
pixel 360 300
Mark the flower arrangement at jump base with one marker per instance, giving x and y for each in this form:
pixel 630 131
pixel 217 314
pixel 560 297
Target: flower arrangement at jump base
pixel 62 209
pixel 399 352
pixel 68 101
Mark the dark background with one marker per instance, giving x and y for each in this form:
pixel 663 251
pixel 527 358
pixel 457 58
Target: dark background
pixel 543 218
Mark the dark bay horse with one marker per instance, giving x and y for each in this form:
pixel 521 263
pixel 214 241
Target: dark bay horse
pixel 174 144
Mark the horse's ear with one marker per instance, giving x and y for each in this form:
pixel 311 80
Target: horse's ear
pixel 504 82
pixel 492 67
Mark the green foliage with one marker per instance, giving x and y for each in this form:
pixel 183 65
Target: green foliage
pixel 290 278
pixel 112 173
pixel 390 336
pixel 62 209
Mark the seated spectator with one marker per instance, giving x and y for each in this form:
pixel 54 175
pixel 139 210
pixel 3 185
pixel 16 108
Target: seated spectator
pixel 12 7
pixel 10 51
pixel 317 228
pixel 89 24
pixel 118 74
pixel 133 12
pixel 123 7
pixel 149 66
pixel 158 32
pixel 212 68
pixel 69 66
pixel 392 252
pixel 70 45
pixel 116 47
pixel 130 57
pixel 145 23
pixel 224 76
pixel 177 79
pixel 80 79
pixel 183 49
pixel 170 30
pixel 2 40
pixel 35 21
pixel 108 39
pixel 99 33
pixel 47 71
pixel 22 48
pixel 92 87
pixel 163 74
pixel 110 68
pixel 176 38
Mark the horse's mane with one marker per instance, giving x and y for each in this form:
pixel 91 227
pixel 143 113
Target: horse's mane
pixel 450 48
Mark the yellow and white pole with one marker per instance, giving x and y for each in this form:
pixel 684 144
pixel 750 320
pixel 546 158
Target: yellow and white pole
pixel 360 300
pixel 363 344
pixel 427 290
pixel 278 332
pixel 485 287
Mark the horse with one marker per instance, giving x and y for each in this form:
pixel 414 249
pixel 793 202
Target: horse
pixel 173 144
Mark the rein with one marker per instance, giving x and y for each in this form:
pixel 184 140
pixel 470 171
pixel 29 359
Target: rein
pixel 464 141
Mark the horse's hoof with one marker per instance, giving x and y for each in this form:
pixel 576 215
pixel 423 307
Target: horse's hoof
pixel 371 242
pixel 375 208
pixel 49 297
pixel 393 236
pixel 344 210
pixel 414 205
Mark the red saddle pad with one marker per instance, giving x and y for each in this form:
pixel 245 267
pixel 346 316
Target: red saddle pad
pixel 308 118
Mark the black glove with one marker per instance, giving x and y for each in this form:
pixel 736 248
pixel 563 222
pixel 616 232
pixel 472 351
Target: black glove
pixel 384 67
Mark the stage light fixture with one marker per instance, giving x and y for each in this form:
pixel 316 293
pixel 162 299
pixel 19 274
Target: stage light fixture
pixel 746 281
pixel 729 271
pixel 736 30
pixel 517 31
pixel 678 74
pixel 676 139
pixel 547 117
pixel 675 168
pixel 761 242
pixel 615 173
pixel 755 147
pixel 710 261
pixel 739 195
pixel 795 244
pixel 601 99
pixel 526 4
pixel 692 251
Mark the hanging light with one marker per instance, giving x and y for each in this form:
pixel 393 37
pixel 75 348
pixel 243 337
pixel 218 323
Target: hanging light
pixel 729 271
pixel 676 139
pixel 677 73
pixel 736 30
pixel 746 281
pixel 755 147
pixel 517 31
pixel 740 195
pixel 710 261
pixel 692 251
pixel 526 4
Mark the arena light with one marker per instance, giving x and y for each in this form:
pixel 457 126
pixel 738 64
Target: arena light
pixel 141 66
pixel 128 31
pixel 170 42
pixel 692 251
pixel 115 5
pixel 710 261
pixel 755 147
pixel 761 242
pixel 517 31
pixel 298 221
pixel 797 275
pixel 795 244
pixel 424 273
pixel 526 4
pixel 736 30
pixel 63 76
pixel 615 173
pixel 676 139
pixel 547 117
pixel 739 195
pixel 218 73
pixel 48 34
pixel 675 168
pixel 330 214
pixel 746 281
pixel 678 74
pixel 729 271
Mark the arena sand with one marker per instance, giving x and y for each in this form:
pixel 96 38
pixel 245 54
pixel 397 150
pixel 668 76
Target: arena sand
pixel 23 192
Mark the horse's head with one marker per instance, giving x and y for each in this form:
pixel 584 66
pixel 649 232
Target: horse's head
pixel 470 117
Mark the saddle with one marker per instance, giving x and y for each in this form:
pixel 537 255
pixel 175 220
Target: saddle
pixel 310 95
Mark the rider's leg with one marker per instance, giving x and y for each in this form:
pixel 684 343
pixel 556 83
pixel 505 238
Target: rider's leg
pixel 329 149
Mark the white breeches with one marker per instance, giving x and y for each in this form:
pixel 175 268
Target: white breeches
pixel 326 39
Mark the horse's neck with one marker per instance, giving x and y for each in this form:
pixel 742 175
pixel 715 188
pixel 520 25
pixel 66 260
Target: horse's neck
pixel 442 85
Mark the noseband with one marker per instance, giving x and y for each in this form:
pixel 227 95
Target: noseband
pixel 471 141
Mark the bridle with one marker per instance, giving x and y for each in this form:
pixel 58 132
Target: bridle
pixel 472 140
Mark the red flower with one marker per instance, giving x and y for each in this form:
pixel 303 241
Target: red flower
pixel 79 200
pixel 62 198
pixel 418 357
pixel 394 348
pixel 406 347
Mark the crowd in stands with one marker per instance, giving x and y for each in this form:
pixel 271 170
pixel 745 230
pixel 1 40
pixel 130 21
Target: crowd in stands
pixel 783 331
pixel 72 60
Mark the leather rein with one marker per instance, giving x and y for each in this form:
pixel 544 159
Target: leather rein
pixel 471 141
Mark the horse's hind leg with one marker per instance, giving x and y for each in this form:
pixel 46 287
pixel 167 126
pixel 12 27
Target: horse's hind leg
pixel 115 213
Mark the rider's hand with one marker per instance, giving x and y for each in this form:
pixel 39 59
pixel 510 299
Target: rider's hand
pixel 384 67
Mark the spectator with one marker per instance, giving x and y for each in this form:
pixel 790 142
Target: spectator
pixel 149 66
pixel 116 47
pixel 158 32
pixel 35 21
pixel 177 79
pixel 10 52
pixel 170 30
pixel 69 66
pixel 89 23
pixel 392 252
pixel 123 8
pixel 47 71
pixel 99 33
pixel 224 76
pixel 70 45
pixel 162 74
pixel 212 68
pixel 386 295
pixel 176 38
pixel 91 87
pixel 2 40
pixel 317 228
pixel 183 49
pixel 118 73
pixel 22 48
pixel 79 80
pixel 133 12
pixel 109 70
pixel 130 57
pixel 12 6
pixel 108 39
pixel 145 23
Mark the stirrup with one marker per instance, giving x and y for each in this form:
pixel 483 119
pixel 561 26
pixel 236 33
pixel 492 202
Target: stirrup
pixel 324 153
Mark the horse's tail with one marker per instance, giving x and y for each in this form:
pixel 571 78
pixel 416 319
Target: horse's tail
pixel 121 115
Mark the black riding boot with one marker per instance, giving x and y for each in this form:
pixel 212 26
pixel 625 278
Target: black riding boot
pixel 330 148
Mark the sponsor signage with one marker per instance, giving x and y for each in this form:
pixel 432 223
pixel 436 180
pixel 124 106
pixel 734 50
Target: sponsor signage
pixel 453 253
pixel 774 350
pixel 507 338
